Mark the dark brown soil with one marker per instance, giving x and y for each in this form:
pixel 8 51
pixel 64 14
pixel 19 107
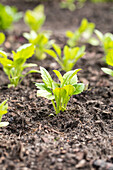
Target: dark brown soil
pixel 81 135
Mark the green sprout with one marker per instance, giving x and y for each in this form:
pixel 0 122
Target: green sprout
pixel 59 93
pixel 14 68
pixel 3 110
pixel 8 15
pixel 106 40
pixel 70 57
pixel 35 18
pixel 109 61
pixel 82 34
pixel 2 38
pixel 69 4
pixel 41 42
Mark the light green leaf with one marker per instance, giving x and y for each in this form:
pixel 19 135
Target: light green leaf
pixel 68 76
pixel 42 86
pixel 35 18
pixel 3 109
pixel 69 89
pixel 3 106
pixel 99 35
pixel 2 38
pixel 107 71
pixel 46 77
pixel 109 58
pixel 45 94
pixel 59 75
pixel 57 49
pixel 93 41
pixel 60 94
pixel 2 53
pixel 78 88
pixel 23 53
pixel 29 65
pixel 67 52
pixel 51 53
pixel 3 124
pixel 32 71
pixel 69 34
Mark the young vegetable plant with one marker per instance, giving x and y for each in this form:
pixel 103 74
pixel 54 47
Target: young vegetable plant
pixel 61 92
pixel 82 34
pixel 106 40
pixel 35 18
pixel 2 38
pixel 8 15
pixel 70 57
pixel 69 4
pixel 109 61
pixel 14 68
pixel 3 110
pixel 41 42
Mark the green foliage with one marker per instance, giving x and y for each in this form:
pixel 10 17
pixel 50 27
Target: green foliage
pixel 3 110
pixel 14 68
pixel 2 38
pixel 106 40
pixel 41 42
pixel 35 18
pixel 61 92
pixel 82 34
pixel 70 4
pixel 70 57
pixel 109 61
pixel 8 15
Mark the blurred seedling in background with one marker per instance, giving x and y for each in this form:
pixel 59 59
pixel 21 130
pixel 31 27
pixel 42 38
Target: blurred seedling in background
pixel 70 56
pixel 84 34
pixel 69 4
pixel 2 38
pixel 106 40
pixel 3 110
pixel 35 19
pixel 14 68
pixel 41 42
pixel 8 15
pixel 61 92
pixel 109 61
pixel 72 4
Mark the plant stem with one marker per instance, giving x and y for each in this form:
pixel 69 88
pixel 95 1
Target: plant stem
pixel 54 105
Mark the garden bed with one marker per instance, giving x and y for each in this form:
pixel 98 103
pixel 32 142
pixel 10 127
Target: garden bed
pixel 77 137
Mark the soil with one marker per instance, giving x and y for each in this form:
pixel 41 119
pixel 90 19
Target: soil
pixel 82 136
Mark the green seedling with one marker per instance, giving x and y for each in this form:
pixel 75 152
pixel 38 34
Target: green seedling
pixel 2 38
pixel 8 15
pixel 3 110
pixel 70 57
pixel 61 92
pixel 41 42
pixel 82 34
pixel 14 68
pixel 69 4
pixel 106 40
pixel 35 18
pixel 109 61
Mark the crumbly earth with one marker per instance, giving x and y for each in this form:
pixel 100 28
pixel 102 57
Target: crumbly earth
pixel 82 134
